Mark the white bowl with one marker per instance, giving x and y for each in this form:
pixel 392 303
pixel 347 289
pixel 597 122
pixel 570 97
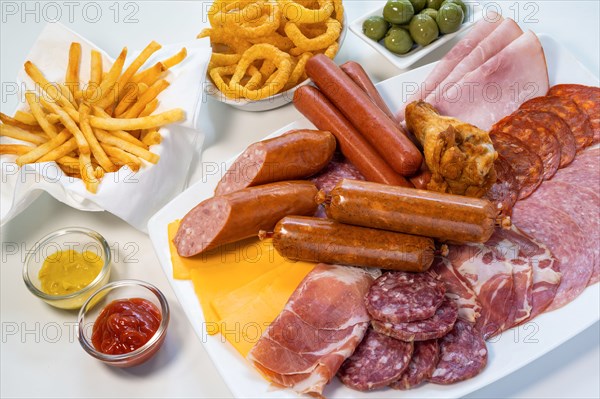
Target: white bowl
pixel 403 61
pixel 272 102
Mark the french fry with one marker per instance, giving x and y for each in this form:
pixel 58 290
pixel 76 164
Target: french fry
pixel 96 68
pixel 38 113
pixel 149 75
pixel 147 122
pixel 66 120
pixel 86 129
pixel 15 149
pixel 25 126
pixel 72 74
pixel 121 133
pixel 176 59
pixel 107 138
pixel 99 172
pixel 131 93
pixel 61 151
pixel 104 93
pixel 86 169
pixel 25 117
pixel 20 134
pixel 64 97
pixel 122 157
pixel 43 149
pixel 69 163
pixel 149 108
pixel 151 137
pixel 137 64
pixel 147 96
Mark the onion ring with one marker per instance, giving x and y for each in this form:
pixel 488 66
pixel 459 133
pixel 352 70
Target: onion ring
pixel 334 29
pixel 296 12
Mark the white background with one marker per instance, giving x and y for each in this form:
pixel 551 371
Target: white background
pixel 39 356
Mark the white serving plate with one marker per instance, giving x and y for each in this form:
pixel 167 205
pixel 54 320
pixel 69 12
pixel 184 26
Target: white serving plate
pixel 403 61
pixel 507 353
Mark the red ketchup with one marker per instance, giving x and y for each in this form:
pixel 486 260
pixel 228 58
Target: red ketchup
pixel 125 325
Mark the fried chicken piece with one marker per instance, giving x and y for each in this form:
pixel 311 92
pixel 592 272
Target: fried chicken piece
pixel 459 155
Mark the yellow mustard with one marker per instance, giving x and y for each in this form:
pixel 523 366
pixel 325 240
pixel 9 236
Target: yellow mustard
pixel 68 271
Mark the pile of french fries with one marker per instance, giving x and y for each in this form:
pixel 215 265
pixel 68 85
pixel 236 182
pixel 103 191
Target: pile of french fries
pixel 93 129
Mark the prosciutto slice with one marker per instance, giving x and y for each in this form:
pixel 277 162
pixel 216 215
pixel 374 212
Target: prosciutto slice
pixel 462 49
pixel 499 86
pixel 499 38
pixel 321 325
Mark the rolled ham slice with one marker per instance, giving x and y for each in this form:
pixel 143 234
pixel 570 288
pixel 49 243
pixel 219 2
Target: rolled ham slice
pixel 499 86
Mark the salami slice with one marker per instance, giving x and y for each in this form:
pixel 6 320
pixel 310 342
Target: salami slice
pixel 570 112
pixel 424 359
pixel 339 168
pixel 584 171
pixel 505 191
pixel 435 327
pixel 377 361
pixel 566 240
pixel 527 166
pixel 587 98
pixel 399 297
pixel 530 128
pixel 463 355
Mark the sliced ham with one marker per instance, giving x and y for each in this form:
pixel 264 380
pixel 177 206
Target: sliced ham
pixel 491 45
pixel 321 325
pixel 459 52
pixel 499 86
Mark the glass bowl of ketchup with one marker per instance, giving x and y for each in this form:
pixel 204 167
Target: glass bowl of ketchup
pixel 124 323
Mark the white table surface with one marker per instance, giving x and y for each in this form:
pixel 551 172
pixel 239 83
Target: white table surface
pixel 39 354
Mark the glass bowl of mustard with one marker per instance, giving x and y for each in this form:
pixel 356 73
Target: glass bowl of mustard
pixel 67 266
pixel 124 323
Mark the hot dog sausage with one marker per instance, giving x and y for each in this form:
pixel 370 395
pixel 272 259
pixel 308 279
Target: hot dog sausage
pixel 321 240
pixel 425 213
pixel 356 72
pixel 293 155
pixel 421 179
pixel 383 133
pixel 323 114
pixel 242 214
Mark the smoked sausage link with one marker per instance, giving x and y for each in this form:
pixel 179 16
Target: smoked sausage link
pixel 446 217
pixel 381 131
pixel 323 114
pixel 294 155
pixel 242 214
pixel 320 240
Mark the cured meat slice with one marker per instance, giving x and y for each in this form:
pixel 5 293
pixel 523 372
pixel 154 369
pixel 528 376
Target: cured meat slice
pixel 567 243
pixel 458 290
pixel 424 359
pixel 587 98
pixel 399 297
pixel 530 128
pixel 527 166
pixel 435 327
pixel 491 279
pixel 504 34
pixel 321 325
pixel 568 110
pixel 499 86
pixel 505 191
pixel 584 171
pixel 583 206
pixel 378 361
pixel 461 50
pixel 463 355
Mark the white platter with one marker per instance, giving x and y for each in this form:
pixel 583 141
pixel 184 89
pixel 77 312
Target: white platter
pixel 507 353
pixel 403 61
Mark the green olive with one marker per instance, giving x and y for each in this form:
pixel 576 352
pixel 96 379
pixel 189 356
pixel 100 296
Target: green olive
pixel 435 4
pixel 423 29
pixel 460 3
pixel 398 41
pixel 375 28
pixel 431 12
pixel 450 17
pixel 398 11
pixel 418 5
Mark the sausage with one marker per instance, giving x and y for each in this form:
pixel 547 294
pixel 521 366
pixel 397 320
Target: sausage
pixel 383 133
pixel 321 240
pixel 448 217
pixel 357 73
pixel 293 155
pixel 242 214
pixel 323 114
pixel 422 178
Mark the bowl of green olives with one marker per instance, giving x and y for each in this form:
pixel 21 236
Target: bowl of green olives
pixel 404 31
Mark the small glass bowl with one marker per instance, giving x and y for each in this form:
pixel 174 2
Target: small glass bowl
pixel 76 238
pixel 123 289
